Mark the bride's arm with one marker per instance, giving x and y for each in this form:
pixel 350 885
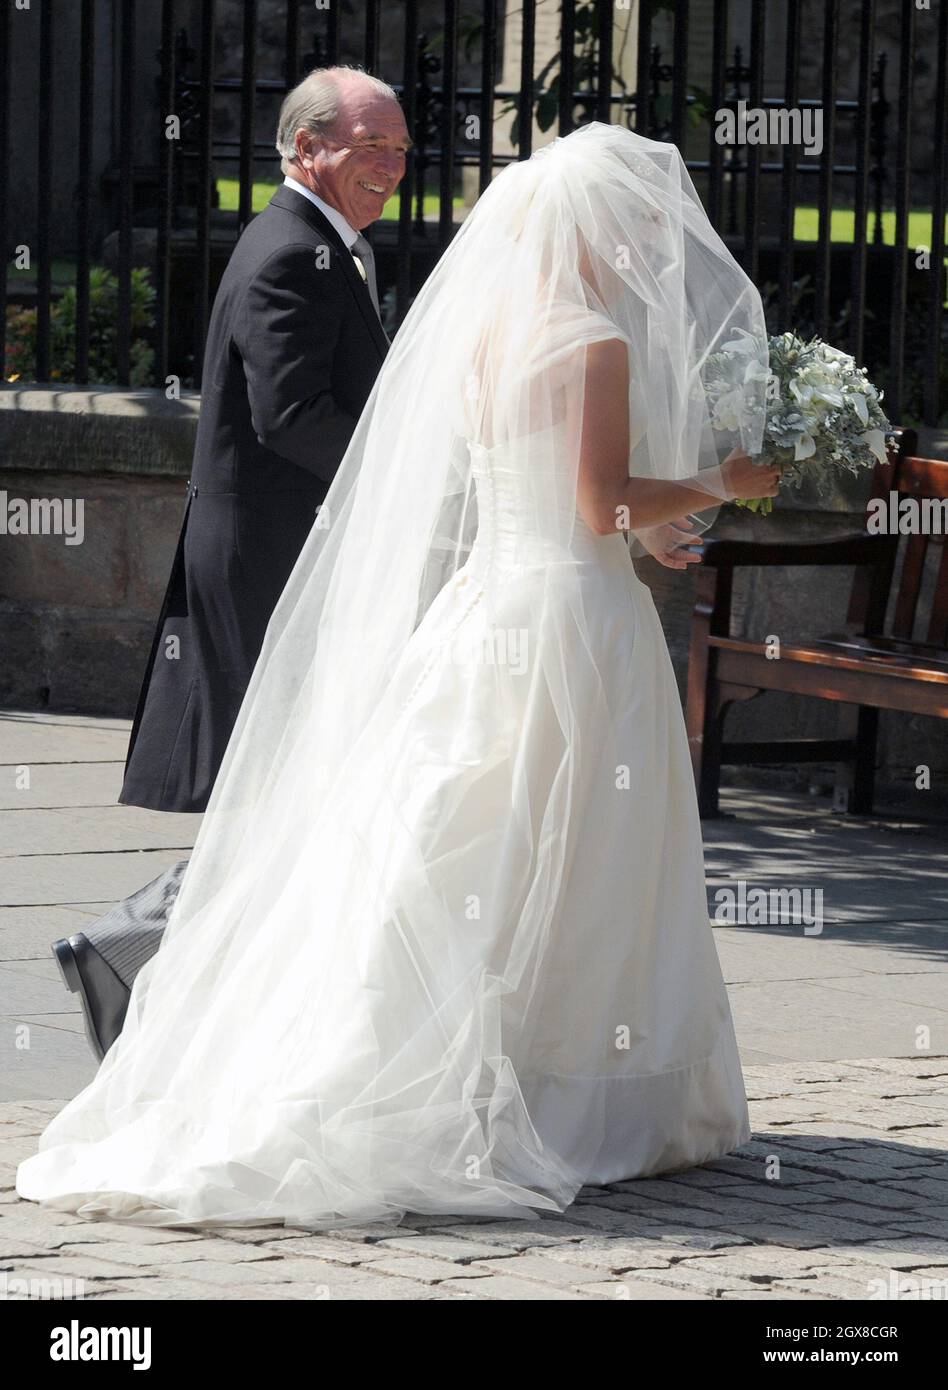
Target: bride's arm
pixel 605 494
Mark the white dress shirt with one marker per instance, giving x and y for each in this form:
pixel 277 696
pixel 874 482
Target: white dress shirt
pixel 358 247
pixel 333 215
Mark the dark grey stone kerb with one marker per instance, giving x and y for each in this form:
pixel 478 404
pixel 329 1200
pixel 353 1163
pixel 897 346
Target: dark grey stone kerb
pixel 96 429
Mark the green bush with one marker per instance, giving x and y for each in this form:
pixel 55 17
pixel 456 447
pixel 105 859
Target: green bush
pixel 20 363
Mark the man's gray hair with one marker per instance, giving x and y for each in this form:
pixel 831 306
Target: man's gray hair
pixel 313 105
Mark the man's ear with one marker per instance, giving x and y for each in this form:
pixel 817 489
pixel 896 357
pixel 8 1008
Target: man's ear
pixel 304 145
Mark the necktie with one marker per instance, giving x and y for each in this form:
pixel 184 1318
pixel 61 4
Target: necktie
pixel 364 258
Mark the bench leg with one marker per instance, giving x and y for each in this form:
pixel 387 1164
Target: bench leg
pixel 864 763
pixel 708 703
pixel 703 720
pixel 696 702
pixel 709 769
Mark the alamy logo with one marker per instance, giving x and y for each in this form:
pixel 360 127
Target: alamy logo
pixel 506 647
pixel 42 1287
pixel 75 1343
pixel 908 1287
pixel 43 516
pixel 768 907
pixel 780 126
pixel 899 515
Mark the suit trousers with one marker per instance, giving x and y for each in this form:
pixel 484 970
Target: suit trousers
pixel 130 933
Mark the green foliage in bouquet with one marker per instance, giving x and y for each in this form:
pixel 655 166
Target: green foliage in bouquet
pixel 20 363
pixel 823 415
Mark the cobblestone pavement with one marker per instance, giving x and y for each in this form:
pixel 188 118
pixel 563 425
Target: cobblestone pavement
pixel 855 1206
pixel 842 1193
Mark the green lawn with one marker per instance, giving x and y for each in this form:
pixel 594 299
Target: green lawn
pixel 806 225
pixel 806 222
pixel 842 223
pixel 229 193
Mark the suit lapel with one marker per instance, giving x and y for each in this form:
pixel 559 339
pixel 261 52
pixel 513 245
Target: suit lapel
pixel 291 201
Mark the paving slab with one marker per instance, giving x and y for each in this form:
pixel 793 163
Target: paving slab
pixel 56 785
pixel 27 739
pixel 66 880
pixel 71 830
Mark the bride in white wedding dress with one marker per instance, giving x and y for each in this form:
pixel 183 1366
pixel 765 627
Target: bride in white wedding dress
pixel 443 945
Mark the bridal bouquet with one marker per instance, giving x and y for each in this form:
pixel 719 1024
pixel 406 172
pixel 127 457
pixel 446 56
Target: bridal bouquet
pixel 823 415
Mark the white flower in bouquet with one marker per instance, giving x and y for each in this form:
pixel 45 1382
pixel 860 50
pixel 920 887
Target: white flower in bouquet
pixel 823 415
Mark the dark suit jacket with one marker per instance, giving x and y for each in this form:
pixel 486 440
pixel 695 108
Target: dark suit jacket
pixel 294 346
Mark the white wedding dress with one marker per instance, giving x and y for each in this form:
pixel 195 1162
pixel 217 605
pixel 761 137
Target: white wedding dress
pixel 344 1065
pixel 443 945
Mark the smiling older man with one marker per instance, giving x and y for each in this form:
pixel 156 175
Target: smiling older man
pixel 293 348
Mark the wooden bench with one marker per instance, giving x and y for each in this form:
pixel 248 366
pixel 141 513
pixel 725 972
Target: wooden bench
pixel 874 664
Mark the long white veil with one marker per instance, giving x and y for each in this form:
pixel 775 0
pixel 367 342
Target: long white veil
pixel 347 950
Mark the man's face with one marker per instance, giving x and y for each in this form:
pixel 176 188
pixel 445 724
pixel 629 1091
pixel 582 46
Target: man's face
pixel 358 167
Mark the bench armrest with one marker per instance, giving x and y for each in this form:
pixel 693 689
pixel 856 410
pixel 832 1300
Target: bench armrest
pixel 847 550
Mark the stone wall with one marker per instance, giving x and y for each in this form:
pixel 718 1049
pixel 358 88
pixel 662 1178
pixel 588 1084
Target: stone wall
pixel 77 620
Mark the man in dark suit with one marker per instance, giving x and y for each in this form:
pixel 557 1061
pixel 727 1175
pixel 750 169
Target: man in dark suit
pixel 293 348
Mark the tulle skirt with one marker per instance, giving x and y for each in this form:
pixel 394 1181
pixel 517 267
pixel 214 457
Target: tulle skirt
pixel 475 973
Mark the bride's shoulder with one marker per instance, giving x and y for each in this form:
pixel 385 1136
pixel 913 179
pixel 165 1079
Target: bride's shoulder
pixel 569 330
pixel 585 323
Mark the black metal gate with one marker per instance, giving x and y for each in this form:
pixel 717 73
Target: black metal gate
pixel 882 296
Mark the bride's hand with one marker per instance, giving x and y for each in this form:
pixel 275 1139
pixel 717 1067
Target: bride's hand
pixel 667 543
pixel 746 479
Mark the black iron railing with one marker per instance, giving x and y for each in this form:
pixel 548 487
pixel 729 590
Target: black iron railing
pixel 896 317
